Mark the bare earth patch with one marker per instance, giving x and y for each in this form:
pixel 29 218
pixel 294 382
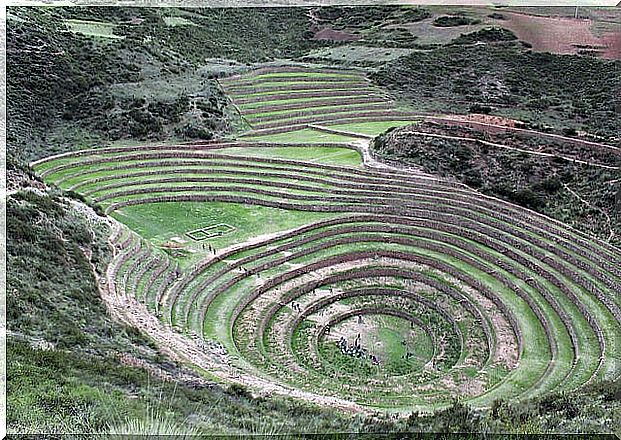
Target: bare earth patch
pixel 492 120
pixel 560 35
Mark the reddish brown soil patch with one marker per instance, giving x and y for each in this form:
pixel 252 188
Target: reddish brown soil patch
pixel 613 41
pixel 334 35
pixel 493 120
pixel 558 34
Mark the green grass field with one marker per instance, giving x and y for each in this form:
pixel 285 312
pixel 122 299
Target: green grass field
pixel 305 135
pixel 93 28
pixel 161 222
pixel 325 155
pixel 370 128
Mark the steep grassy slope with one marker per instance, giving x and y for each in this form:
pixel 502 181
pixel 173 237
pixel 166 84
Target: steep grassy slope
pixel 68 88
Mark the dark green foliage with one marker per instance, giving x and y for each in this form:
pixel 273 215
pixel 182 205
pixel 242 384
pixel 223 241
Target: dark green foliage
pixel 393 37
pixel 244 34
pixel 345 17
pixel 570 131
pixel 496 16
pixel 194 131
pixel 487 35
pixel 47 68
pixel 525 197
pixel 607 391
pixel 458 418
pixel 577 412
pixel 480 109
pixel 454 20
pixel 52 289
pixel 239 391
pixel 102 13
pixel 541 89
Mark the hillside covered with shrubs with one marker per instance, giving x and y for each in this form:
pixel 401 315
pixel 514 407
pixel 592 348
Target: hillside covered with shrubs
pixel 562 186
pixel 147 80
pixel 543 90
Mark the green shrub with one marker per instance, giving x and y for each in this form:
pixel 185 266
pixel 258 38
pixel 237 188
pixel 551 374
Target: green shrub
pixel 454 20
pixel 487 35
pixel 497 16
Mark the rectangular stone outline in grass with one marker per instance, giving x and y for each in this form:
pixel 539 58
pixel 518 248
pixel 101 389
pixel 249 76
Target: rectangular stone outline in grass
pixel 209 232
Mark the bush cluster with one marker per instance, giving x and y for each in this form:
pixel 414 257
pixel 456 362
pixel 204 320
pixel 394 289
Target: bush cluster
pixel 455 20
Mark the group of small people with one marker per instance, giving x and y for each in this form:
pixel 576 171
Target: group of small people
pixel 356 350
pixel 210 248
pixel 407 355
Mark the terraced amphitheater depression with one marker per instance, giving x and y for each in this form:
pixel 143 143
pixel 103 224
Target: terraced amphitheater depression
pixel 293 261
